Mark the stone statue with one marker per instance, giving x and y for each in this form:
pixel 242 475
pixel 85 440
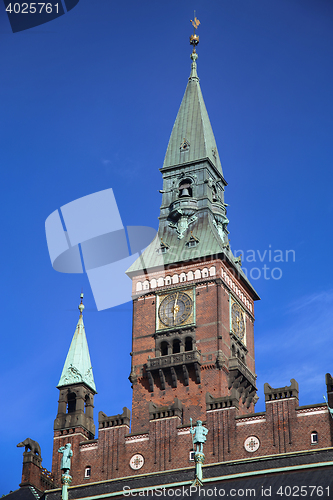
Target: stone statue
pixel 67 453
pixel 30 445
pixel 200 432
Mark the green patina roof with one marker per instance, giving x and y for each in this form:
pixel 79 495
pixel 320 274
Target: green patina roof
pixel 193 125
pixel 77 367
pixel 209 245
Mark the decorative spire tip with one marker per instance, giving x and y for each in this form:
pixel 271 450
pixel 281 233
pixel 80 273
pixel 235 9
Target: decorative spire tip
pixel 194 39
pixel 81 306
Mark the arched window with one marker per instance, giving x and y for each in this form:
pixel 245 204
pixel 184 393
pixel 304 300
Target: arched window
pixel 71 402
pixel 176 346
pixel 153 283
pixel 205 272
pixel 164 348
pixel 188 344
pixel 314 437
pixel 212 271
pixel 87 472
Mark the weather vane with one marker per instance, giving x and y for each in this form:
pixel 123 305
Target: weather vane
pixel 194 39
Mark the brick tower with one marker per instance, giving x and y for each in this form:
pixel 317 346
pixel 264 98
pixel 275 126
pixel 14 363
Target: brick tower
pixel 193 346
pixel 75 419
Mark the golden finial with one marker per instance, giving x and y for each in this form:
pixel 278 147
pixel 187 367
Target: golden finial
pixel 195 23
pixel 194 39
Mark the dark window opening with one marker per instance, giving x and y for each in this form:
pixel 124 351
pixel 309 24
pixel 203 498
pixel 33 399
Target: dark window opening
pixel 164 348
pixel 188 344
pixel 71 402
pixel 314 437
pixel 176 346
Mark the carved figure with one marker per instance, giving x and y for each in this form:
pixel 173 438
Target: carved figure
pixel 30 445
pixel 67 453
pixel 200 432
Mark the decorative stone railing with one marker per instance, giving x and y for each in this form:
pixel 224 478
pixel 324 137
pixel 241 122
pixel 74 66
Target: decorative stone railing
pixel 175 364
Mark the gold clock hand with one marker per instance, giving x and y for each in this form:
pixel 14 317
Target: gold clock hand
pixel 175 308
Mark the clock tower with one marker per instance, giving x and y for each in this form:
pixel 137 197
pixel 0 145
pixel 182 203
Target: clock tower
pixel 193 345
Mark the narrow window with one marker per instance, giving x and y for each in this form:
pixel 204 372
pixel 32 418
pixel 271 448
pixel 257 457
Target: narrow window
pixel 176 346
pixel 87 472
pixel 188 344
pixel 164 348
pixel 314 437
pixel 71 402
pixel 191 456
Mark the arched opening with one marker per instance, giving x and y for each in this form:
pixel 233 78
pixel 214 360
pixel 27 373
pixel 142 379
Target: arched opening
pixel 164 348
pixel 185 189
pixel 188 344
pixel 71 402
pixel 176 346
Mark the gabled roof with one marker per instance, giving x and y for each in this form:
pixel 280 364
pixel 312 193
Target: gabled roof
pixel 77 367
pixel 192 135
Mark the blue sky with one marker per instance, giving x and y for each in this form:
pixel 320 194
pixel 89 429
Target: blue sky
pixel 87 103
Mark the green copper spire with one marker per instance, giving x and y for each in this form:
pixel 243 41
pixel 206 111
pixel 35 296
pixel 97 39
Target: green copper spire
pixel 77 367
pixel 192 137
pixel 193 223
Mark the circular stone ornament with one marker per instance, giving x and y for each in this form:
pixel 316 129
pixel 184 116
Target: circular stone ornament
pixel 251 444
pixel 137 461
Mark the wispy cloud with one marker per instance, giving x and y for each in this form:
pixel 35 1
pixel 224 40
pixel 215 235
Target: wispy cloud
pixel 106 162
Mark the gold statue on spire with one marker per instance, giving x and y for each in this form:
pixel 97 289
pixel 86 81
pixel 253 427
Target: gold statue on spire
pixel 195 23
pixel 194 39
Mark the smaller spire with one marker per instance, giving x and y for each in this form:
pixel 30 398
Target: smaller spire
pixel 77 367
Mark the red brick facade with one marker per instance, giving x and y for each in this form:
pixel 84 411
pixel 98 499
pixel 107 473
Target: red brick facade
pixel 284 427
pixel 160 423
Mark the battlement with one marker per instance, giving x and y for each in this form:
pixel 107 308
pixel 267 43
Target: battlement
pixel 122 419
pixel 289 391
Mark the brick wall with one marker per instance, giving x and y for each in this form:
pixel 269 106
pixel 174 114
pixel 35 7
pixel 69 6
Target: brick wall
pixel 284 427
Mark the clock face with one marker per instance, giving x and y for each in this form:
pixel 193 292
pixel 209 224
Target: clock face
pixel 237 321
pixel 175 309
